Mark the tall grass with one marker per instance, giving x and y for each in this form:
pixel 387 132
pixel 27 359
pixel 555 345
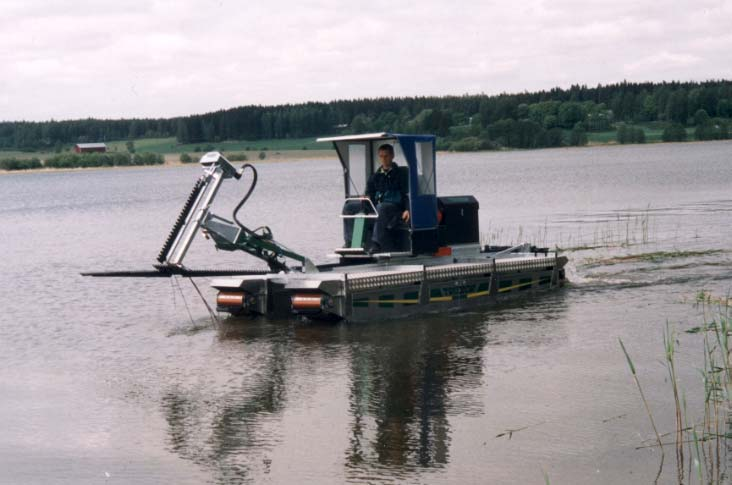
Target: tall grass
pixel 625 229
pixel 704 442
pixel 645 404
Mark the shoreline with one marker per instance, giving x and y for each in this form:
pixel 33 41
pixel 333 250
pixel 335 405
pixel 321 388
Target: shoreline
pixel 172 160
pixel 284 156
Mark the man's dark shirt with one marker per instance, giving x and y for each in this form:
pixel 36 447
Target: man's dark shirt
pixel 388 186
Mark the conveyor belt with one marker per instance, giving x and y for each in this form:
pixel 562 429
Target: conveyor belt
pixel 200 183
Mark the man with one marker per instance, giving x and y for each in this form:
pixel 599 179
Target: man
pixel 389 193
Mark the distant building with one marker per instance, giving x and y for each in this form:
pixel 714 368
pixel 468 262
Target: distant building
pixel 90 147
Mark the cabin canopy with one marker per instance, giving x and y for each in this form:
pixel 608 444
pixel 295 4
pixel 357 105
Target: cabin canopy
pixel 359 157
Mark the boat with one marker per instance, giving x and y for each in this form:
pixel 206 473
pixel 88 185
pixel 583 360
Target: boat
pixel 434 262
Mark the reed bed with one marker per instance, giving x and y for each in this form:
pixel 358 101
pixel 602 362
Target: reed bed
pixel 624 229
pixel 699 443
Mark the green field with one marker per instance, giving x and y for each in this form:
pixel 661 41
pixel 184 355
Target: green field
pixel 169 145
pixel 25 155
pixel 654 133
pixel 164 146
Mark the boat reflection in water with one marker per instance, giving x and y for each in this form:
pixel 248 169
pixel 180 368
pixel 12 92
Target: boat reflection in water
pixel 400 390
pixel 406 381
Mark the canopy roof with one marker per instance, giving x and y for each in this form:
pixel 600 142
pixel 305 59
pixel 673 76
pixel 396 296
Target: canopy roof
pixel 373 136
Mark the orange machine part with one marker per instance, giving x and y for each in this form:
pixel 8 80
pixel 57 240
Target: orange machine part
pixel 443 251
pixel 230 298
pixel 305 301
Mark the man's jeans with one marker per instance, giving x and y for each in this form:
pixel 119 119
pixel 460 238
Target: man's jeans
pixel 386 227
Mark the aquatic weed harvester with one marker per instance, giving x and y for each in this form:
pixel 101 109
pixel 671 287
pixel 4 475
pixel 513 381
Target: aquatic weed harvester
pixel 433 263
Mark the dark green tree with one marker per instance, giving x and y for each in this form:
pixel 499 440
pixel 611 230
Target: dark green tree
pixel 570 114
pixel 676 108
pixel 578 135
pixel 182 131
pixel 701 117
pixel 674 132
pixel 621 134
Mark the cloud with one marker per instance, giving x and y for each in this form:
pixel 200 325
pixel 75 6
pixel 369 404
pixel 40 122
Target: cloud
pixel 666 61
pixel 68 59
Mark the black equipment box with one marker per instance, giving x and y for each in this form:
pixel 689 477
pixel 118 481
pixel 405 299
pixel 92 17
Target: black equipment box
pixel 459 220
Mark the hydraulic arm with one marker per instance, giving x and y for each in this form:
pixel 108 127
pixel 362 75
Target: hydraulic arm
pixel 227 235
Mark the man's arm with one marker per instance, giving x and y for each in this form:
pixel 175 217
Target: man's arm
pixel 371 194
pixel 370 189
pixel 404 189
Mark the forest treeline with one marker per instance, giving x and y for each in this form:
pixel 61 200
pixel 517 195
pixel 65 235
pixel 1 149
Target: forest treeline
pixel 553 117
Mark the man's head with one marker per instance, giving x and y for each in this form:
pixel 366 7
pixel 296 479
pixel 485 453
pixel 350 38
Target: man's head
pixel 386 155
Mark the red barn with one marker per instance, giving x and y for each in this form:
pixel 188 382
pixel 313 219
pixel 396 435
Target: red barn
pixel 90 147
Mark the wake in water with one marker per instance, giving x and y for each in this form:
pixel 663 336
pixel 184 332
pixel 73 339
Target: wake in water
pixel 652 268
pixel 636 247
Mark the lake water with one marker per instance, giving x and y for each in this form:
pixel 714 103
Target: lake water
pixel 129 381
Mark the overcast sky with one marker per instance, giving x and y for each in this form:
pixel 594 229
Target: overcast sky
pixel 135 58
